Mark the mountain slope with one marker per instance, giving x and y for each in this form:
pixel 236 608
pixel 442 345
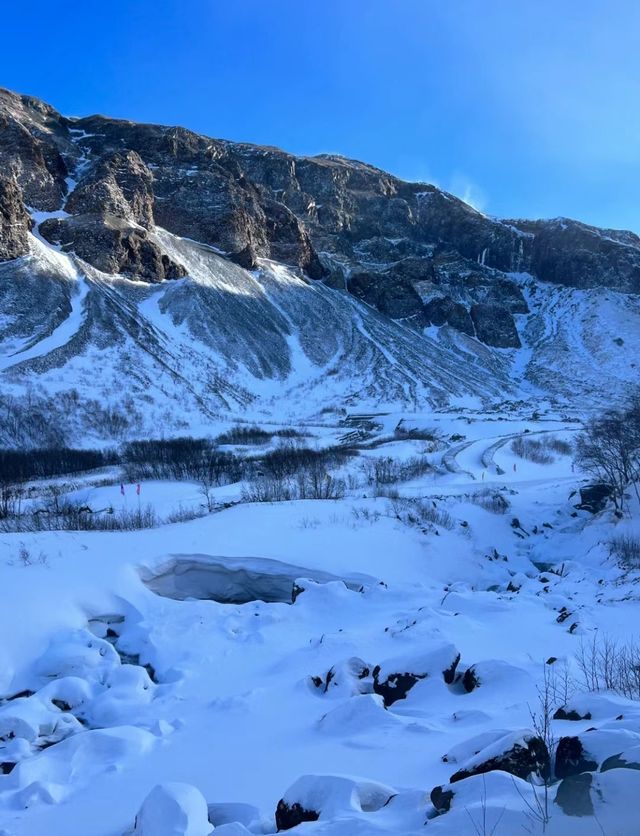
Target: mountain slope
pixel 170 279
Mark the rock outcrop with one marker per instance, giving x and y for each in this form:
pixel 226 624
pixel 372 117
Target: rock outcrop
pixel 410 250
pixel 14 222
pixel 112 245
pixel 118 184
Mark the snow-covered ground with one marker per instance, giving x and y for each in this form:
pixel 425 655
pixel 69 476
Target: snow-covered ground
pixel 114 682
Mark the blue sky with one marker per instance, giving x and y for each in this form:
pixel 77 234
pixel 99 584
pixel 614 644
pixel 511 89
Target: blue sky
pixel 528 108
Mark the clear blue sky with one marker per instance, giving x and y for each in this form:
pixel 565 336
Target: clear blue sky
pixel 526 107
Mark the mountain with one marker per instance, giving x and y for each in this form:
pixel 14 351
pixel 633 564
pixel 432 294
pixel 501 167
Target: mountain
pixel 153 280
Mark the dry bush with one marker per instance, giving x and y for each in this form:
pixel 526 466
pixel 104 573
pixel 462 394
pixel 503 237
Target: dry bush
pixel 609 665
pixel 491 501
pixel 241 434
pixel 532 449
pixel 626 549
pixel 381 471
pixel 420 513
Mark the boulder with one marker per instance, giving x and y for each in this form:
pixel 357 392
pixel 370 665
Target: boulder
pixel 329 796
pixel 441 798
pixel 347 678
pixel 494 325
pixel 470 680
pixel 396 298
pixel 444 311
pixel 520 754
pixel 571 758
pixel 393 679
pixel 593 498
pixel 173 809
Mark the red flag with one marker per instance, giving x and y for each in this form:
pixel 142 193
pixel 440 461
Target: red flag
pixel 121 488
pixel 138 488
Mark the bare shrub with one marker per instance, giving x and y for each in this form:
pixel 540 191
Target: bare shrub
pixel 532 449
pixel 560 446
pixel 626 549
pixel 73 516
pixel 492 501
pixel 417 434
pixel 382 471
pixel 24 555
pixel 609 665
pixel 269 489
pixel 420 513
pixel 609 450
pixel 10 501
pixel 242 434
pixel 41 463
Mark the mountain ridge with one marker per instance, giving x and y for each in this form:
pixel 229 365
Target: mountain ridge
pixel 249 276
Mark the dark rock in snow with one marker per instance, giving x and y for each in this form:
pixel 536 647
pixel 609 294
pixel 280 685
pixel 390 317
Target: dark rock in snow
pixel 495 325
pixel 594 498
pixel 562 714
pixel 571 759
pixel 15 223
pixel 519 760
pixel 288 816
pixel 629 759
pixel 470 680
pixel 441 798
pixel 449 674
pixel 396 300
pixel 444 311
pixel 394 687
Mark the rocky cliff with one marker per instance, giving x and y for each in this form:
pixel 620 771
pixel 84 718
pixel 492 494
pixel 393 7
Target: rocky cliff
pixel 124 200
pixel 408 249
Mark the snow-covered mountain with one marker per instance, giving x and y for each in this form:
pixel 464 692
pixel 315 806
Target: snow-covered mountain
pixel 153 280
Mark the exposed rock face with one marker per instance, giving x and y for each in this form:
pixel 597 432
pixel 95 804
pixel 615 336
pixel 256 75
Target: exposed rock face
pixel 494 325
pixel 14 222
pixel 408 249
pixel 444 311
pixel 113 246
pixel 119 184
pixel 34 143
pixel 570 253
pixel 397 299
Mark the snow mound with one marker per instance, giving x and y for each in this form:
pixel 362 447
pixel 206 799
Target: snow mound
pixel 173 809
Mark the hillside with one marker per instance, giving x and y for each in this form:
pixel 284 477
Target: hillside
pixel 155 280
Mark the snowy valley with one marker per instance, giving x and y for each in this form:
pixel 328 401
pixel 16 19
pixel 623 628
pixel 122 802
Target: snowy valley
pixel 293 533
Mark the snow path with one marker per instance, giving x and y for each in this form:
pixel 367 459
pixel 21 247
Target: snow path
pixel 59 337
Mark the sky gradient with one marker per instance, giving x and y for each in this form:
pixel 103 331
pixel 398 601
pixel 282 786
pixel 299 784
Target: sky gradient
pixel 526 109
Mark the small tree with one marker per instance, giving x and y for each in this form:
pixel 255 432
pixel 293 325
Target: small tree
pixel 609 450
